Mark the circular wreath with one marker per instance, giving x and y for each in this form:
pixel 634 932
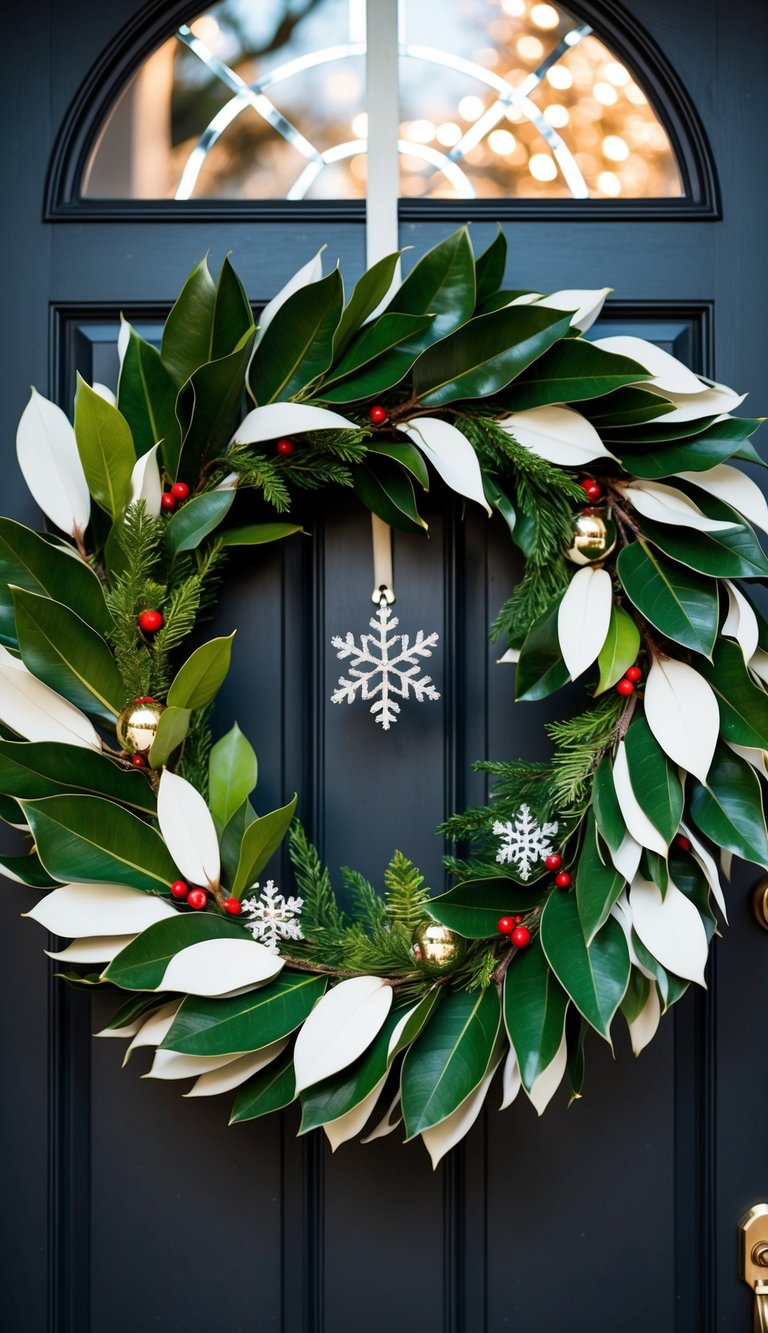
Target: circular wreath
pixel 591 881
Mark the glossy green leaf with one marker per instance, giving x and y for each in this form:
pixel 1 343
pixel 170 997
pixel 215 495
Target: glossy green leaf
pixel 729 810
pixel 598 885
pixel 132 1009
pixel 28 869
pixel 210 407
pixel 30 562
pixel 743 704
pixel 298 344
pixel 733 553
pixel 625 407
pixel 258 534
pixel 608 817
pixel 105 447
pixel 142 964
pixel 570 371
pixel 534 1012
pixel 473 908
pixel 449 1058
pixel 655 867
pixel 186 340
pixel 199 680
pixel 441 283
pixel 260 842
pixel 654 779
pixel 233 771
pixel 146 397
pixel 332 1098
pixel 637 994
pixel 243 1023
pixel 498 300
pixel 482 357
pixel 172 729
pixel 196 519
pixel 541 669
pixel 60 649
pixel 489 268
pixel 232 837
pixel 375 340
pixel 407 455
pixel 645 458
pixel 232 314
pixel 671 988
pixel 33 769
pixel 501 502
pixel 681 605
pixel 388 492
pixel 620 649
pixel 87 840
pixel 373 380
pixel 368 293
pixel 595 976
pixel 269 1090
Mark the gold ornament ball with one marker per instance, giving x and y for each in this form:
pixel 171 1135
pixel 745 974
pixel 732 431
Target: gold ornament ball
pixel 594 537
pixel 136 725
pixel 435 948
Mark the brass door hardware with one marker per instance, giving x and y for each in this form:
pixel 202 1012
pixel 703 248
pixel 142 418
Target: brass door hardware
pixel 753 1261
pixel 760 903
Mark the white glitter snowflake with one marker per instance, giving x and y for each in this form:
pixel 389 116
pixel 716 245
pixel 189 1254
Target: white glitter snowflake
pixel 524 842
pixel 272 918
pixel 378 673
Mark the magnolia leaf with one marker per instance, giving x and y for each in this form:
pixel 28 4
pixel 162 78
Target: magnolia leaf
pixel 741 622
pixel 473 908
pixel 367 295
pixel 594 976
pixel 341 1026
pixel 734 488
pixel 333 1102
pixel 670 928
pixel 558 434
pixel 388 492
pixel 633 813
pixel 169 1065
pixel 99 909
pixel 145 482
pixel 541 669
pixel 236 1070
pixel 208 407
pixel 489 267
pixel 276 419
pixel 196 519
pixel 142 965
pixel 666 504
pixel 96 949
pixel 481 357
pixel 642 1028
pixel 655 784
pixel 106 449
pixel 549 1081
pixel 348 1126
pixel 451 455
pixel 450 1057
pixel 232 773
pixel 729 808
pixel 199 680
pixel 627 856
pixel 511 1083
pixel 696 407
pixel 606 807
pixel 146 397
pixel 389 1122
pixel 36 712
pixel 153 1029
pixel 172 729
pixel 707 863
pixel 66 654
pixel 219 967
pixel 743 704
pixel 679 603
pixel 619 652
pixel 269 1090
pixel 257 534
pixel 586 305
pixel 665 372
pixel 186 342
pixel 260 841
pixel 28 560
pixel 572 370
pixel 440 1138
pixel 298 345
pixel 50 463
pixel 583 618
pixel 242 1023
pixel 598 884
pixel 188 830
pixel 308 273
pixel 86 839
pixel 534 1012
pixel 683 715
pixel 441 283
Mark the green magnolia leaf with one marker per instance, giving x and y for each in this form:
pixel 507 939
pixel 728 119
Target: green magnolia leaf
pixel 88 840
pixel 132 1009
pixel 598 885
pixel 60 649
pixel 645 457
pixel 30 562
pixel 197 519
pixel 534 1012
pixel 269 1090
pixel 541 669
pixel 449 1058
pixel 637 994
pixel 473 908
pixel 682 606
pixel 260 842
pixel 186 340
pixel 232 773
pixel 596 975
pixel 232 314
pixel 28 869
pixel 298 344
pixel 388 492
pixel 242 1023
pixel 146 397
pixel 375 340
pixel 655 781
pixel 498 300
pixel 671 988
pixel 375 379
pixel 655 868
pixel 732 553
pixel 483 356
pixel 368 293
pixel 490 266
pixel 619 652
pixel 172 729
pixel 209 407
pixel 743 704
pixel 105 447
pixel 441 283
pixel 625 407
pixel 608 817
pixel 232 837
pixel 200 678
pixel 729 810
pixel 334 1097
pixel 570 371
pixel 142 964
pixel 33 769
pixel 257 534
pixel 407 455
pixel 501 502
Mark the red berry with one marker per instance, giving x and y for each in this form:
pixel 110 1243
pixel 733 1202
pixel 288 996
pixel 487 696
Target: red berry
pixel 150 621
pixel 167 500
pixel 521 937
pixel 232 905
pixel 179 889
pixel 634 674
pixel 554 861
pixel 683 843
pixel 138 761
pixel 180 490
pixel 284 447
pixel 377 415
pixel 505 925
pixel 592 489
pixel 518 919
pixel 625 687
pixel 197 898
pixel 563 879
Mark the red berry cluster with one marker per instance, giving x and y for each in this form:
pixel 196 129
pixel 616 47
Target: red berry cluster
pixel 170 499
pixel 629 680
pixel 198 898
pixel 592 489
pixel 554 862
pixel 519 935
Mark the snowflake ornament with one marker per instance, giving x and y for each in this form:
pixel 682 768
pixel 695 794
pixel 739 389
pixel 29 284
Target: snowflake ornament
pixel 524 842
pixel 379 673
pixel 272 918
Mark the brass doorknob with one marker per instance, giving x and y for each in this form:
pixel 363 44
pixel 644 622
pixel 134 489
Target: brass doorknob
pixel 760 903
pixel 753 1261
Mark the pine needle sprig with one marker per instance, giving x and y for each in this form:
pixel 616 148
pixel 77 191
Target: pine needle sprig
pixel 322 920
pixel 580 743
pixel 197 748
pixel 407 895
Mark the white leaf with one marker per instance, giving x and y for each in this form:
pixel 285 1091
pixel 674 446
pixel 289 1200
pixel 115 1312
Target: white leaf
pixel 220 967
pixel 741 622
pixel 173 1065
pixel 129 1030
pixel 308 273
pixel 526 298
pixel 48 458
pixel 105 392
pixel 348 1126
pixel 558 434
pixel 695 407
pixel 735 488
pixel 511 655
pixel 668 374
pixel 274 419
pixel 583 617
pixel 145 481
pixel 38 713
pixel 586 304
pixel 232 1075
pixel 666 504
pixel 670 928
pixel 757 758
pixel 155 1028
pixel 95 949
pixel 123 339
pixel 758 665
pixel 228 483
pixel 450 454
pixel 549 1081
pixel 683 715
pixel 626 858
pixel 511 1082
pixel 621 913
pixel 643 1029
pixel 726 861
pixel 708 865
pixel 389 1121
pixel 439 1139
pixel 340 1027
pixel 77 910
pixel 188 830
pixel 632 812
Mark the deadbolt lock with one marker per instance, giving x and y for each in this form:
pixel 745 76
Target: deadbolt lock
pixel 753 1261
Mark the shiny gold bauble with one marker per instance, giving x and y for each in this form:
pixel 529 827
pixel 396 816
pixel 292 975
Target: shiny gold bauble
pixel 594 537
pixel 435 948
pixel 136 725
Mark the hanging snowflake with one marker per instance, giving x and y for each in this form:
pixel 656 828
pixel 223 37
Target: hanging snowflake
pixel 524 842
pixel 375 674
pixel 272 918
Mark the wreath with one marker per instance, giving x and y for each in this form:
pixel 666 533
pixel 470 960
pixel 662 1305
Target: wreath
pixel 588 885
